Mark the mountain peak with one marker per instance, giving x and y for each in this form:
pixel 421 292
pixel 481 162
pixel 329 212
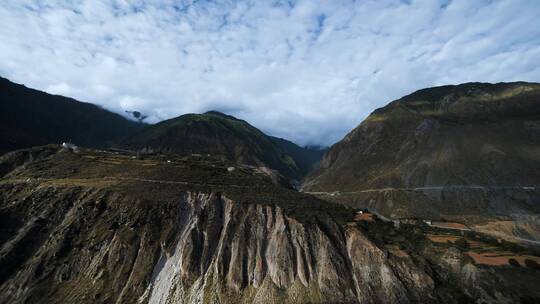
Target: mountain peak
pixel 470 89
pixel 221 114
pixel 220 134
pixel 474 101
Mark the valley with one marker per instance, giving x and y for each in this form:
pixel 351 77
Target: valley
pixel 270 152
pixel 163 228
pixel 204 208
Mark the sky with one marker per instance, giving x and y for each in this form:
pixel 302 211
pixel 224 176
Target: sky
pixel 309 71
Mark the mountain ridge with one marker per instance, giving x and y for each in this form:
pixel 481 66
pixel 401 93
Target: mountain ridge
pixel 217 133
pixel 30 117
pixel 475 134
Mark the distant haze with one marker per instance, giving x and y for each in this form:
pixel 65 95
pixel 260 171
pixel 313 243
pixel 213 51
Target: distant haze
pixel 308 71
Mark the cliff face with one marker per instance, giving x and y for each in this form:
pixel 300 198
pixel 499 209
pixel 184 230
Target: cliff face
pixel 90 233
pixel 469 151
pixel 259 255
pixel 86 246
pixel 81 245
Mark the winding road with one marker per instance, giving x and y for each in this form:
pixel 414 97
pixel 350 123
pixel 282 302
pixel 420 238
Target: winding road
pixel 448 187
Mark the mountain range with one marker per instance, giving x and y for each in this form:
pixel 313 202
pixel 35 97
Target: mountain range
pixel 433 198
pixel 30 118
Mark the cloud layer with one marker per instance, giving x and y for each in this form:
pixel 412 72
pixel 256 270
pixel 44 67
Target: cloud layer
pixel 308 71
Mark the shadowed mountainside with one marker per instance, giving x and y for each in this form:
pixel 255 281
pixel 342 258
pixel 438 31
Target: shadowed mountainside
pixel 306 158
pixel 30 117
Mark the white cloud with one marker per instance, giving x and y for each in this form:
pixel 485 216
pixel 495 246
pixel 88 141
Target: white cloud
pixel 306 70
pixel 61 88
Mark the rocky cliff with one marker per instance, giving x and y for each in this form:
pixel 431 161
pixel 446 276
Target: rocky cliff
pixel 94 227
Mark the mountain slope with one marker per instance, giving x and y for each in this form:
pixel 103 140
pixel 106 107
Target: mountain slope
pixel 29 117
pixel 306 158
pixel 217 134
pixel 469 152
pixel 96 227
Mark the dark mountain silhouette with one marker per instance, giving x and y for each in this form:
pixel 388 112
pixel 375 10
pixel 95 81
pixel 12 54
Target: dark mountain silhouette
pixel 30 117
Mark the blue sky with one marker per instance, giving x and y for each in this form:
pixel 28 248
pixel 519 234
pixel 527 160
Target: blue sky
pixel 309 71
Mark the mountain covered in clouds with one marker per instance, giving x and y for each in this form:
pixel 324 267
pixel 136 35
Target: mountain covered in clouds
pixel 30 117
pixel 219 134
pixel 469 153
pixel 177 225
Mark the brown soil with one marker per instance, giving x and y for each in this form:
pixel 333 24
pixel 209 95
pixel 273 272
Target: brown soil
pixel 364 217
pixel 442 238
pixel 451 225
pixel 499 258
pixel 400 253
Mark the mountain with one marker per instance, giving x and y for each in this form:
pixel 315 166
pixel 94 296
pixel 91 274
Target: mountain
pixel 29 117
pixel 468 153
pixel 216 133
pixel 90 226
pixel 306 158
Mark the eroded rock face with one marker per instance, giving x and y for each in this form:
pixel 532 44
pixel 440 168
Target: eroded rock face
pixel 83 245
pixel 257 254
pixel 74 244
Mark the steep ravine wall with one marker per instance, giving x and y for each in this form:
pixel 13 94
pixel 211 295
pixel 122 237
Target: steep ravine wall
pixel 224 252
pixel 82 245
